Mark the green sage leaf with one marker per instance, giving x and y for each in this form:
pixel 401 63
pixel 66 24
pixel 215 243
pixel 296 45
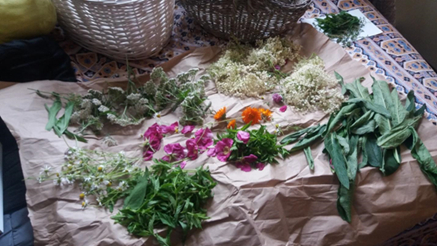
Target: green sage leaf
pixel 344 201
pixel 136 197
pixel 335 152
pixel 341 82
pixel 365 118
pixel 309 157
pixel 398 112
pixel 393 138
pixel 367 128
pixel 357 90
pixel 425 160
pixel 391 163
pixel 53 111
pixel 374 152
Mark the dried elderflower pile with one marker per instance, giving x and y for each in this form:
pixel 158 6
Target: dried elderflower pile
pixel 244 71
pixel 104 176
pixel 310 88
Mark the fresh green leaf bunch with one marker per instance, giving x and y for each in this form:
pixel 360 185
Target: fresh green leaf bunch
pixel 343 27
pixel 133 105
pixel 105 176
pixel 60 125
pixel 166 197
pixel 368 130
pixel 261 143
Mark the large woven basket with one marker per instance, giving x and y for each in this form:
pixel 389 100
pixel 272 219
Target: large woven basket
pixel 120 29
pixel 246 20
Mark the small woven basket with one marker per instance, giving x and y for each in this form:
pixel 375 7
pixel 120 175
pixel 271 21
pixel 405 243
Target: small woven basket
pixel 120 29
pixel 246 20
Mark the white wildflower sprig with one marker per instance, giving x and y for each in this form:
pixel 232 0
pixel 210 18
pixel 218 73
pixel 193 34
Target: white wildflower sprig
pixel 102 175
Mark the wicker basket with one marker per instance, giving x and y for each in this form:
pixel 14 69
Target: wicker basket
pixel 246 20
pixel 120 29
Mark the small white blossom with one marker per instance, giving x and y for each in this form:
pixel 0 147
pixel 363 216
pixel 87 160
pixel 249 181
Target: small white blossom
pixel 103 108
pixel 45 170
pixel 111 117
pixel 65 181
pixel 109 141
pixel 96 102
pixel 118 89
pixel 157 115
pixel 134 97
pixel 122 186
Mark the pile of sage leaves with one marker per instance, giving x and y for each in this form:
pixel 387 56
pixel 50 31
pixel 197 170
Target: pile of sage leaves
pixel 368 130
pixel 166 196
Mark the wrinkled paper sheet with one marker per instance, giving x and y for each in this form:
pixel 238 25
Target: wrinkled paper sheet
pixel 285 204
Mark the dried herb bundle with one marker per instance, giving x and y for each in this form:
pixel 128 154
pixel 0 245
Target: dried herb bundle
pixel 343 27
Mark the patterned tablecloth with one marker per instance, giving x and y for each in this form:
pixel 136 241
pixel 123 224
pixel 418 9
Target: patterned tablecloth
pixel 388 54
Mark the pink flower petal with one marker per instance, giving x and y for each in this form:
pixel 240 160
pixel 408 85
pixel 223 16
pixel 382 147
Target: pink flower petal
pixel 243 136
pixel 148 155
pixel 250 158
pixel 277 98
pixel 277 67
pixel 212 152
pixel 169 148
pixel 283 108
pixel 260 166
pixel 166 158
pixel 183 164
pixel 187 129
pixel 245 168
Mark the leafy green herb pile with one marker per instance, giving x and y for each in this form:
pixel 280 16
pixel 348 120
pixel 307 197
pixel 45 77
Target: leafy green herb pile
pixel 342 26
pixel 368 130
pixel 250 148
pixel 166 197
pixel 133 105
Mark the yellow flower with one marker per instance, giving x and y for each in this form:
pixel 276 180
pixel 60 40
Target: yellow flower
pixel 82 195
pixel 266 114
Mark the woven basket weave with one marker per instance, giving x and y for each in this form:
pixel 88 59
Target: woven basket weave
pixel 120 29
pixel 246 20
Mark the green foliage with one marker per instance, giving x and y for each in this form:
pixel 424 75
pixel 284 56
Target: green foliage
pixel 261 143
pixel 342 26
pixel 372 126
pixel 60 125
pixel 166 197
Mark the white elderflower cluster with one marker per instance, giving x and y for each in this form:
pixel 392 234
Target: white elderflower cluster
pixel 105 176
pixel 244 71
pixel 310 88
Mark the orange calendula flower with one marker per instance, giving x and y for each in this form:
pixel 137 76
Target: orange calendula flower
pixel 221 114
pixel 251 115
pixel 232 124
pixel 266 114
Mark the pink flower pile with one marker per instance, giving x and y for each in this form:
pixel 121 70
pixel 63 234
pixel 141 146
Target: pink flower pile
pixel 175 151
